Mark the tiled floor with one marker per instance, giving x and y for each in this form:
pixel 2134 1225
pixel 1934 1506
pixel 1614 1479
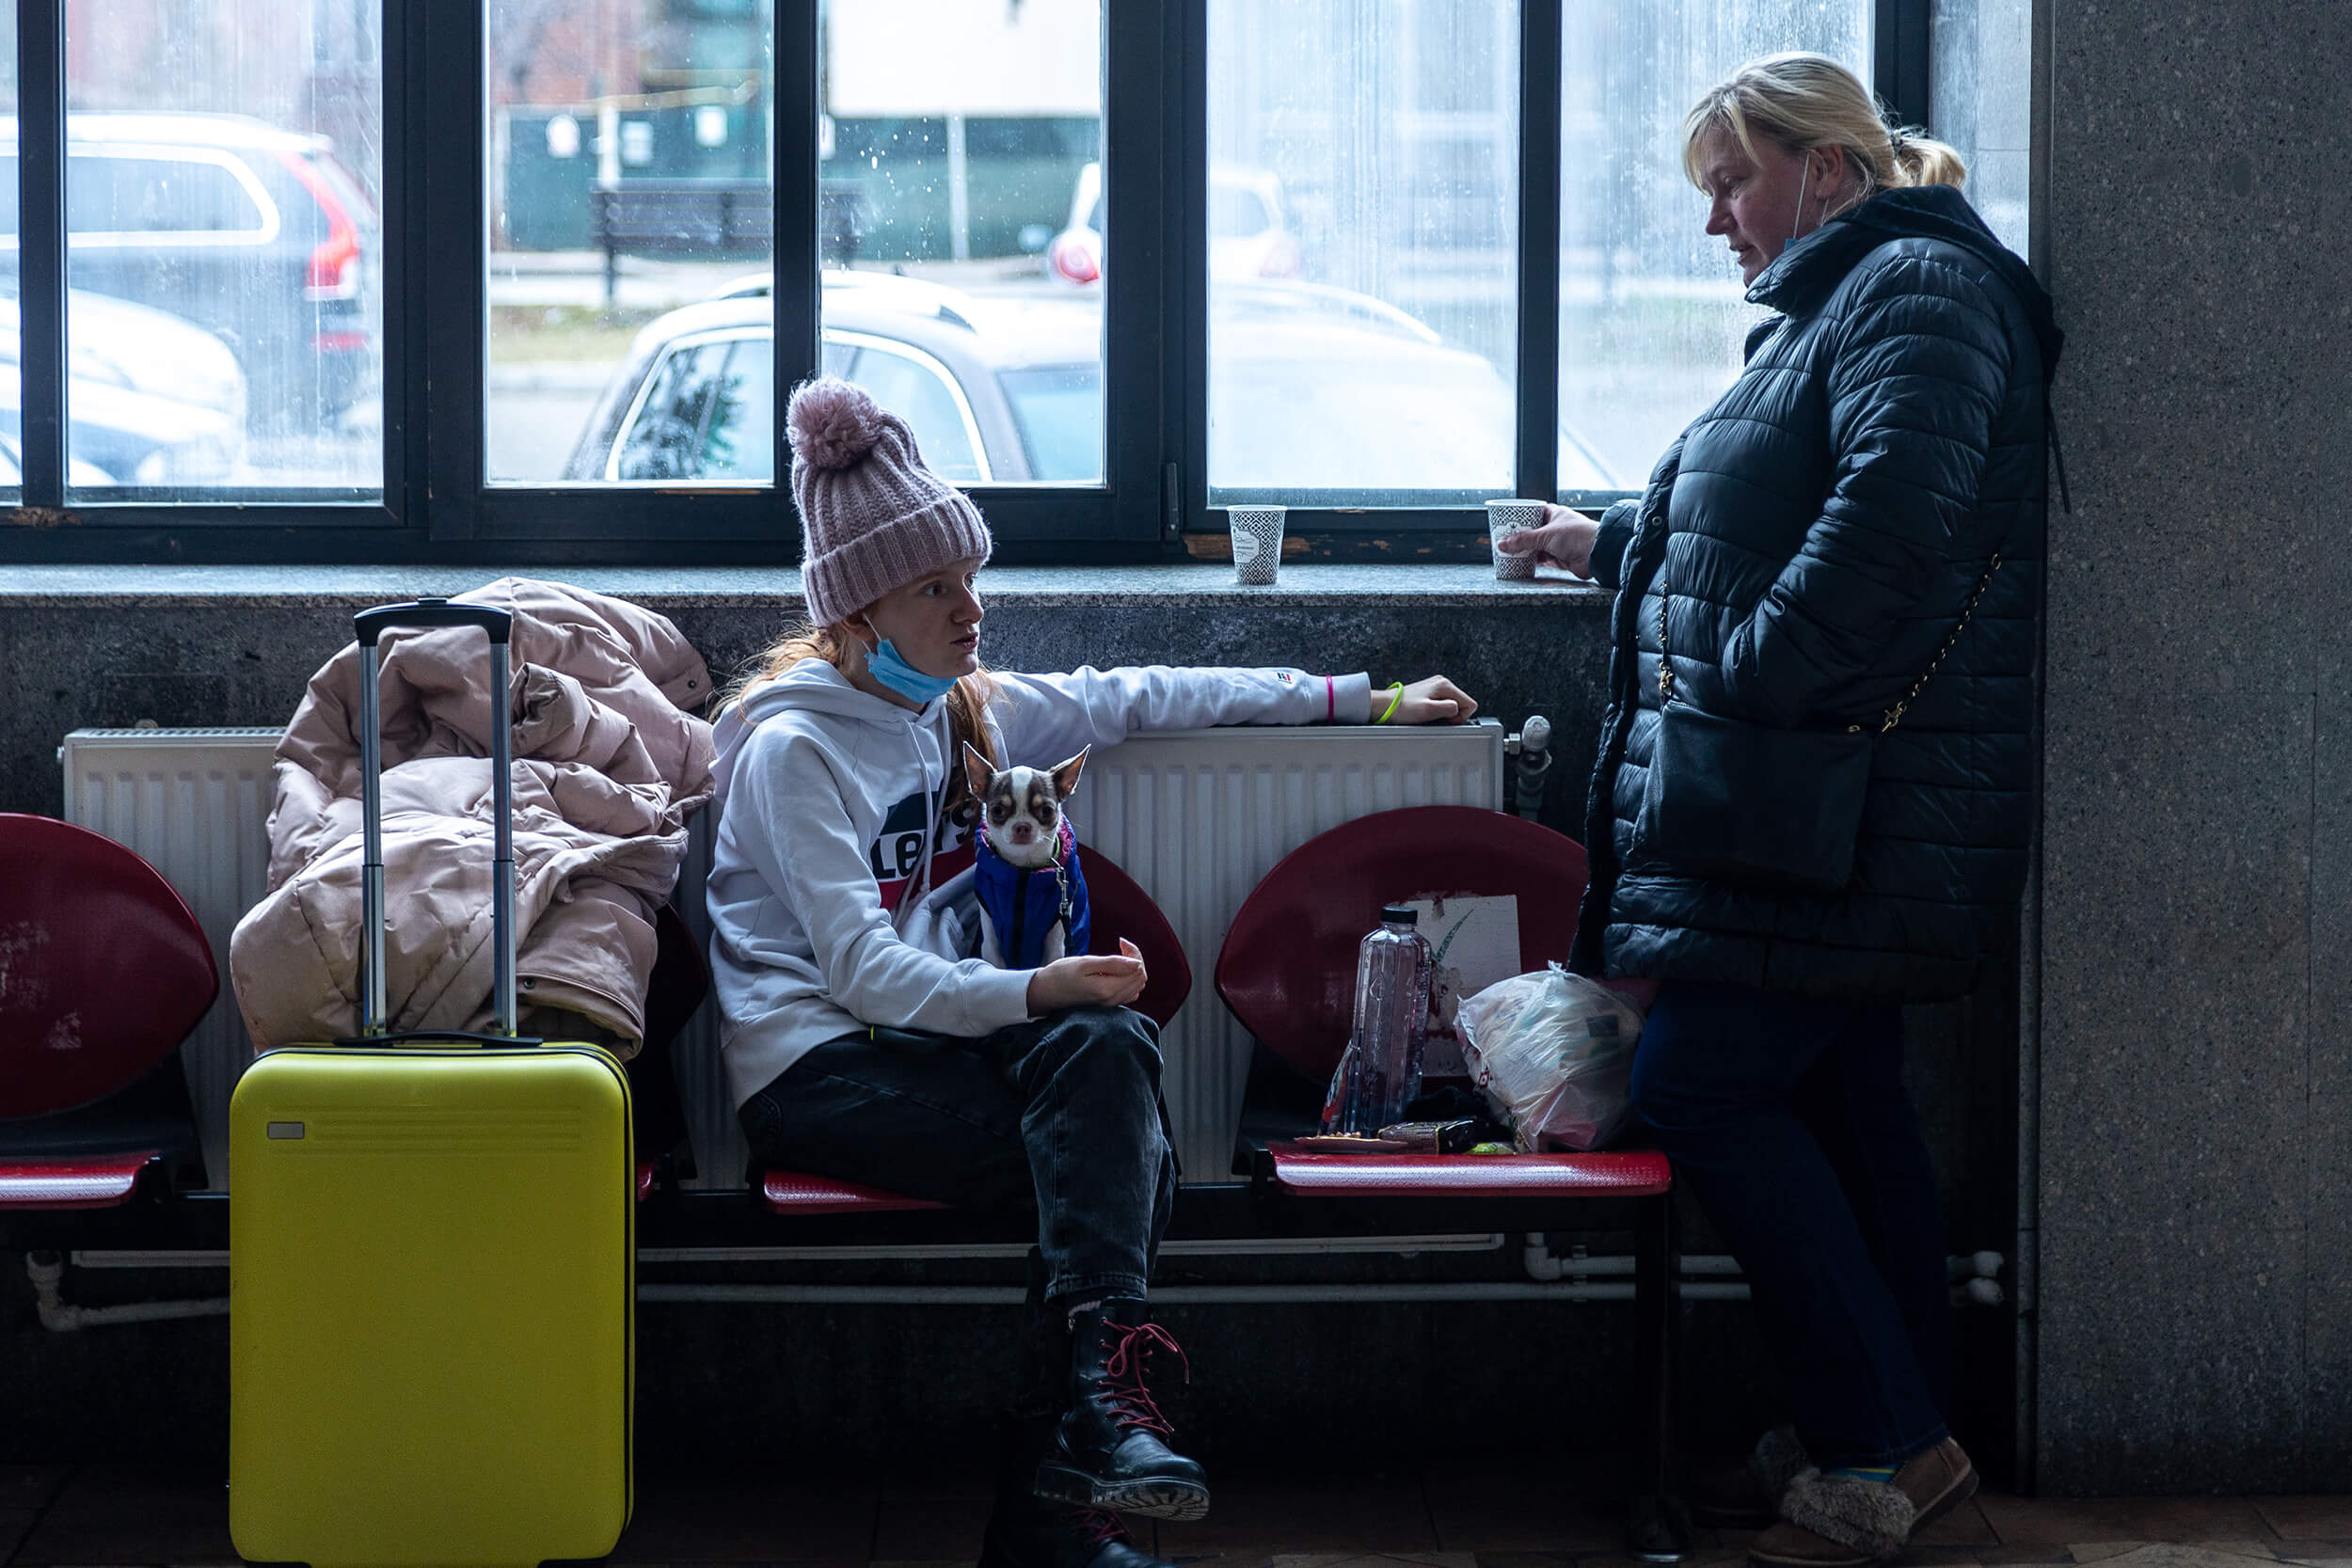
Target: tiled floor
pixel 102 1516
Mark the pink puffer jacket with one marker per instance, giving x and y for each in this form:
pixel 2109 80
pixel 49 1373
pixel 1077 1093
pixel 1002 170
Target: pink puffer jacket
pixel 608 765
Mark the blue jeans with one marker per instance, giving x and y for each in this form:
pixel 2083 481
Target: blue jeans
pixel 1063 1112
pixel 1786 1116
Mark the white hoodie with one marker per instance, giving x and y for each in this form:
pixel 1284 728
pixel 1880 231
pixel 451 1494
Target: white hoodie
pixel 827 797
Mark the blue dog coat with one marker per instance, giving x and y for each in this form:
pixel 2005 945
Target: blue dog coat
pixel 1023 905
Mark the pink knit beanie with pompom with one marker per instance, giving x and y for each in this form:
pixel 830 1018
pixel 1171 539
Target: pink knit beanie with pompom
pixel 872 516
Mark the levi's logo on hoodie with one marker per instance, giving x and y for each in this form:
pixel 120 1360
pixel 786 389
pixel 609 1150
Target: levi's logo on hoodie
pixel 898 850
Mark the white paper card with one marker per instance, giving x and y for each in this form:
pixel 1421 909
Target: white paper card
pixel 1474 940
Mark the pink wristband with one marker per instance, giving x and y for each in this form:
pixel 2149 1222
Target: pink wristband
pixel 1330 703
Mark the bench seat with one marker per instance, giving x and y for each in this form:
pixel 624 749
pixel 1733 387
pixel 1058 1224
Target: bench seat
pixel 107 1181
pixel 75 1181
pixel 789 1192
pixel 1639 1174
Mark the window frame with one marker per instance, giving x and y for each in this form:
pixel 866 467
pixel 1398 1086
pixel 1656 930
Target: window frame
pixel 436 507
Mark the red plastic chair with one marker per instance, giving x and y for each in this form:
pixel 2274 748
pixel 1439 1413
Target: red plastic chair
pixel 1288 966
pixel 1288 971
pixel 1122 909
pixel 1119 908
pixel 103 972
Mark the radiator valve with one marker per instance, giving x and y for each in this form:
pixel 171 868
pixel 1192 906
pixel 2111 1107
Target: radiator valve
pixel 1531 753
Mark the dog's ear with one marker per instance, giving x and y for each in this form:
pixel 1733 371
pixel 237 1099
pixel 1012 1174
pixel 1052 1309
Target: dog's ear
pixel 977 772
pixel 1066 773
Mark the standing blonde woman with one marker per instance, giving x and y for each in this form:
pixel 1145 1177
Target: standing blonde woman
pixel 1814 791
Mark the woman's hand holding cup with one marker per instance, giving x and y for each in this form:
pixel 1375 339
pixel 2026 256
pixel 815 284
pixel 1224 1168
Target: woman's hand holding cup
pixel 1565 539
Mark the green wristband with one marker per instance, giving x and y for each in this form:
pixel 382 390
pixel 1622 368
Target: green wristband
pixel 1399 689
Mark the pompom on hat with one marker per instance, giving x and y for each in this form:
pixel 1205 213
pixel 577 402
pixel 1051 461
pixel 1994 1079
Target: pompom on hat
pixel 873 518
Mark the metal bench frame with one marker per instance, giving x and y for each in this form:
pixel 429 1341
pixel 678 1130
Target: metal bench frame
pixel 1261 1207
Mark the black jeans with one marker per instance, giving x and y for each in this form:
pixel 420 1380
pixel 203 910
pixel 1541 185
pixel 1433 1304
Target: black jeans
pixel 1063 1112
pixel 1788 1117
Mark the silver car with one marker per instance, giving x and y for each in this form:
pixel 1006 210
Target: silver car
pixel 1313 389
pixel 150 399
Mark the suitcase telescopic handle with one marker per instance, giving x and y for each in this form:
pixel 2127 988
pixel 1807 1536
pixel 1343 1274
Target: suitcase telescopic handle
pixel 373 623
pixel 370 624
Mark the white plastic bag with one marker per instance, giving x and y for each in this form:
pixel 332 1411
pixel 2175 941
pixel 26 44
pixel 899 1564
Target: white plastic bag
pixel 1553 1052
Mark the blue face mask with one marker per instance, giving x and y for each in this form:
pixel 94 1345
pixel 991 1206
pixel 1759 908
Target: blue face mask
pixel 886 666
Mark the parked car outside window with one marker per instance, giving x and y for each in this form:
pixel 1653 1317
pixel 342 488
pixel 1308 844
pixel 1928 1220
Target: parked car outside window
pixel 1248 235
pixel 257 234
pixel 1006 392
pixel 151 399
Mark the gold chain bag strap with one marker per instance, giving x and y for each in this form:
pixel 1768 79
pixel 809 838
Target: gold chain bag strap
pixel 1748 802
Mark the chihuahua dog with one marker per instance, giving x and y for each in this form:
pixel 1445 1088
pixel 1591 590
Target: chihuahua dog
pixel 1033 896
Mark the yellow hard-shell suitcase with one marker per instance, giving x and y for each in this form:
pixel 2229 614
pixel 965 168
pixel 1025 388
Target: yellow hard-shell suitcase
pixel 432 1260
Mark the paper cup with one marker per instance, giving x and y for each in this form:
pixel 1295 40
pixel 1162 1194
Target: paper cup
pixel 1503 519
pixel 1257 542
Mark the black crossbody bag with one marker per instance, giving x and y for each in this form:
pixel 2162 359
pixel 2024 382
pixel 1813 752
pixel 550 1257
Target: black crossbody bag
pixel 1751 802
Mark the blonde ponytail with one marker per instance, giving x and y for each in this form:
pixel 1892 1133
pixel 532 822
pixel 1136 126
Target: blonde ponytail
pixel 1921 160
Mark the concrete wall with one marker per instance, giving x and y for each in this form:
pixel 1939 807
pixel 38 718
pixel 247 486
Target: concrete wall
pixel 2195 1103
pixel 234 645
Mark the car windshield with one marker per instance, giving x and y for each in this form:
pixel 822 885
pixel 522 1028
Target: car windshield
pixel 114 193
pixel 1392 429
pixel 1238 213
pixel 705 415
pixel 1059 412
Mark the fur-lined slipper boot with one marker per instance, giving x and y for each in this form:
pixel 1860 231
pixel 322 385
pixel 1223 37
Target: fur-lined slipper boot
pixel 1836 1522
pixel 1779 1459
pixel 1846 1522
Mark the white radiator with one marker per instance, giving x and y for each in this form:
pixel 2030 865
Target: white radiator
pixel 1195 816
pixel 1199 816
pixel 194 804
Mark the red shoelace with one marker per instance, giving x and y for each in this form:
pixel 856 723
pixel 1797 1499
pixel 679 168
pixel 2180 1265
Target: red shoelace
pixel 1124 1368
pixel 1094 1526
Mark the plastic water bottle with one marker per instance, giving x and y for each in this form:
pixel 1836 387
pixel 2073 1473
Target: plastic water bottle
pixel 1393 974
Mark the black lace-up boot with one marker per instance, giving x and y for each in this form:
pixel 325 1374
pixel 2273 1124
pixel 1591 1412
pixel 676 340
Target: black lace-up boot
pixel 1110 1450
pixel 1027 1531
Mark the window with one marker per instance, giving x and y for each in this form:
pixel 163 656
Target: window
pixel 1059 414
pixel 223 266
pixel 1362 344
pixel 1652 313
pixel 1981 57
pixel 136 196
pixel 1236 212
pixel 11 388
pixel 344 33
pixel 343 279
pixel 705 412
pixel 964 229
pixel 925 393
pixel 629 204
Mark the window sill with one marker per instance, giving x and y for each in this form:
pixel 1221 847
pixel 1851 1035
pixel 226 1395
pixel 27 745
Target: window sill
pixel 660 587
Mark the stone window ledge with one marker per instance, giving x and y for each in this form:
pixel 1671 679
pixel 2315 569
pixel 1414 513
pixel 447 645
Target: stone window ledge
pixel 1352 585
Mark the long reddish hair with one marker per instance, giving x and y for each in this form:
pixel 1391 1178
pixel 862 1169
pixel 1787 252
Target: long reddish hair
pixel 967 700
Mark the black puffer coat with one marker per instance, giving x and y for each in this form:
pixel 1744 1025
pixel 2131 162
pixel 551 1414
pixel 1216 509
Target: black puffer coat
pixel 1822 527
